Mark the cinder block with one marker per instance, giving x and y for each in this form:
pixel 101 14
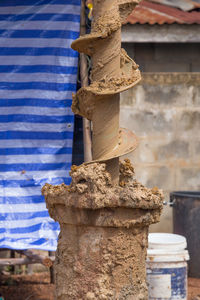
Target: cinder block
pixel 197 149
pixel 177 149
pixel 177 52
pixel 196 95
pixel 141 64
pixel 128 98
pixel 165 224
pixel 159 176
pixel 188 178
pixel 160 150
pixel 160 94
pixel 188 121
pixel 167 66
pixel 130 49
pixel 133 97
pixel 195 65
pixel 168 94
pixel 147 122
pixel 144 52
pixel 146 151
pixel 164 93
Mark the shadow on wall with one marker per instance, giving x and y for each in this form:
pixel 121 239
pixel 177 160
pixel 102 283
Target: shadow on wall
pixel 162 57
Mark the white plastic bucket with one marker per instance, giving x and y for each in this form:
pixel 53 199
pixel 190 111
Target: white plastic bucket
pixel 167 266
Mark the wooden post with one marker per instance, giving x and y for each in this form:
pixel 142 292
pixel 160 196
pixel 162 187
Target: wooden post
pixel 51 269
pixel 30 258
pixel 12 255
pixel 84 82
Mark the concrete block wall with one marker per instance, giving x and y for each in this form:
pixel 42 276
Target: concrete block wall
pixel 165 57
pixel 164 112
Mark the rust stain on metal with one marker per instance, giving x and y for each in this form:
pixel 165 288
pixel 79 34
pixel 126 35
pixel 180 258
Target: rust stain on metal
pixel 185 5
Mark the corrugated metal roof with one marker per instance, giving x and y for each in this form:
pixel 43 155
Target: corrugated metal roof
pixel 153 13
pixel 184 5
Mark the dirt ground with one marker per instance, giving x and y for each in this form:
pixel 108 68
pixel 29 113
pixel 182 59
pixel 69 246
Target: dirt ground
pixel 27 287
pixel 38 287
pixel 194 289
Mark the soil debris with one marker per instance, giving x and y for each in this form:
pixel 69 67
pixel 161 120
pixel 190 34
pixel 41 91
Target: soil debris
pixel 92 188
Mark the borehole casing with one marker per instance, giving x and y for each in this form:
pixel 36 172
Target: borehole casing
pixel 101 263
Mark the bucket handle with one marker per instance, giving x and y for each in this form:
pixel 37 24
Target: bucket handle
pixel 171 204
pixel 171 201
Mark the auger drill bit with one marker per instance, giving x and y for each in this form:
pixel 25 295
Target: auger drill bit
pixel 103 222
pixel 113 71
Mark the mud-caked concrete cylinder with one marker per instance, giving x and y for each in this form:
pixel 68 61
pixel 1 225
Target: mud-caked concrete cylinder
pixel 101 263
pixel 103 239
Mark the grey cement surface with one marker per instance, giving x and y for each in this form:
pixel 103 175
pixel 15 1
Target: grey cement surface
pixel 164 112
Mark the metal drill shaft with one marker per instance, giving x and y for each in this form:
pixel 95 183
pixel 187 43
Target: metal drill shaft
pixel 112 72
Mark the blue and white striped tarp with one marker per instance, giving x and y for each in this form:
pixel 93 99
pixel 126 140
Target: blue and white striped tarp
pixel 37 77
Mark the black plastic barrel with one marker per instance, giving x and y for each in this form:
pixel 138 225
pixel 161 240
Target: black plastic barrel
pixel 186 219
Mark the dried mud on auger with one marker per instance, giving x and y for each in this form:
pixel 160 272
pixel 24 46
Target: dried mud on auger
pixel 105 213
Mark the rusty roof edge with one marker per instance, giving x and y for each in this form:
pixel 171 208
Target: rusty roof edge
pixel 151 13
pixel 184 5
